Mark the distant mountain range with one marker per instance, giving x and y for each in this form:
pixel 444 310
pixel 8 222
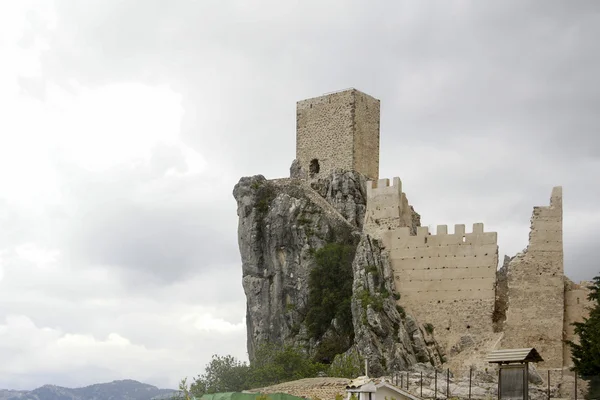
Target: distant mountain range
pixel 116 390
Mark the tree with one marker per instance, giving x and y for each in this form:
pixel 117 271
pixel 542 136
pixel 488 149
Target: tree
pixel 222 374
pixel 586 353
pixel 275 364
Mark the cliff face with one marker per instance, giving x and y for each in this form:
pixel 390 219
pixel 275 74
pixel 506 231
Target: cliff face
pixel 384 334
pixel 283 225
pixel 346 192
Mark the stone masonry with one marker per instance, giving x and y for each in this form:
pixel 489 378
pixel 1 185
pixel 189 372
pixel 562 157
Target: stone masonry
pixel 447 279
pixel 338 131
pixel 576 309
pixel 536 301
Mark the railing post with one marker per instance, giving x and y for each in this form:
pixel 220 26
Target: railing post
pixel 406 380
pixel 447 383
pixel 435 385
pixel 499 380
pixel 401 380
pixel 575 385
pixel 470 373
pixel 548 384
pixel 421 384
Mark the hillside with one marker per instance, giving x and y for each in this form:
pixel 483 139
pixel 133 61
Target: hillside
pixel 116 390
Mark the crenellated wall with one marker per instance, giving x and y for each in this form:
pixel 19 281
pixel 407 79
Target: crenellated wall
pixel 387 207
pixel 446 279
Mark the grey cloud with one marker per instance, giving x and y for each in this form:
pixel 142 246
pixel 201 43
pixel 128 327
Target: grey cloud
pixel 149 226
pixel 163 242
pixel 522 74
pixel 520 70
pixel 581 257
pixel 485 107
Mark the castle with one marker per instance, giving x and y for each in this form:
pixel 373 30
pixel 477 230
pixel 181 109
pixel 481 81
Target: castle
pixel 449 279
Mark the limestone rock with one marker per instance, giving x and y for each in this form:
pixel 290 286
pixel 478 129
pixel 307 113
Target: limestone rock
pixel 296 171
pixel 281 224
pixel 534 376
pixel 346 191
pixel 501 301
pixel 385 335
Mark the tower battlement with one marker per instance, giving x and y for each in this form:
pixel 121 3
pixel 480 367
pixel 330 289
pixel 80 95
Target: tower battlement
pixel 382 187
pixel 387 206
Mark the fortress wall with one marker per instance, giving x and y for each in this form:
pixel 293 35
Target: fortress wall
pixel 446 279
pixel 535 314
pixel 576 309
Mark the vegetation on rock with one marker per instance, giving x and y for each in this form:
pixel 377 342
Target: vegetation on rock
pixel 273 364
pixel 329 299
pixel 222 374
pixel 348 365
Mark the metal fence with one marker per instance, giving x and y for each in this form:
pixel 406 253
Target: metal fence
pixel 442 384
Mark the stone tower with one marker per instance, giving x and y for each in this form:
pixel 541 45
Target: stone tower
pixel 338 130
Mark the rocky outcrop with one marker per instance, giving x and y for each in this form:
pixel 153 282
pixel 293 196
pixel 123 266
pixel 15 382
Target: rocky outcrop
pixel 346 191
pixel 501 302
pixel 281 224
pixel 386 336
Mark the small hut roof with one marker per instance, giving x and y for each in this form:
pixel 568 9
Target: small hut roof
pixel 514 355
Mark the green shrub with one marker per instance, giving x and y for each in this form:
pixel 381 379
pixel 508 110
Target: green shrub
pixel 264 196
pixel 402 312
pixel 428 327
pixel 347 365
pixel 330 290
pixel 367 299
pixel 302 220
pixel 330 297
pixel 274 364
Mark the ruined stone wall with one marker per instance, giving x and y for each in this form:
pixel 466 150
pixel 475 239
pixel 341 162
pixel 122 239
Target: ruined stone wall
pixel 535 314
pixel 576 309
pixel 447 280
pixel 339 131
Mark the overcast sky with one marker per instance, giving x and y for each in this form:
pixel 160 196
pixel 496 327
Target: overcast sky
pixel 125 124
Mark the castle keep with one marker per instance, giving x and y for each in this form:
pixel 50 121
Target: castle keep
pixel 340 130
pixel 448 278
